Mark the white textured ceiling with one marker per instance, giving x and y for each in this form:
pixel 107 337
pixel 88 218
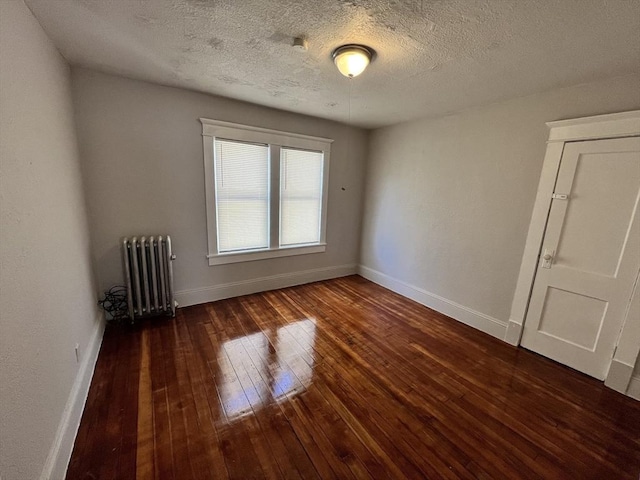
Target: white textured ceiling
pixel 433 57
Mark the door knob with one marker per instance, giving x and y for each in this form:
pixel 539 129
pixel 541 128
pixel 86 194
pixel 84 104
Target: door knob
pixel 547 257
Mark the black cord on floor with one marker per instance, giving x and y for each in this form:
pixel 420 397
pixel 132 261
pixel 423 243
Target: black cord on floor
pixel 115 303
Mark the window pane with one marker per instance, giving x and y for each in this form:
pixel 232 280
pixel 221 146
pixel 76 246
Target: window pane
pixel 242 195
pixel 300 196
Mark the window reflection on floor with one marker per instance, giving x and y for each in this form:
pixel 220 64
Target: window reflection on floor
pixel 265 367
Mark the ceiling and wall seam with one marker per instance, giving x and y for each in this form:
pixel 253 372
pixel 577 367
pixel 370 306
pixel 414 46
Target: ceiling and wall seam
pixel 433 58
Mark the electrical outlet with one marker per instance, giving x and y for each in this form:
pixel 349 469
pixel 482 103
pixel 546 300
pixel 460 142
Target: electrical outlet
pixel 77 353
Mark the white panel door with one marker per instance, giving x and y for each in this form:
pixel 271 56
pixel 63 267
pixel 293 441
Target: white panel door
pixel 590 256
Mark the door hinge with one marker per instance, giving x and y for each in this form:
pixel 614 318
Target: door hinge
pixel 560 196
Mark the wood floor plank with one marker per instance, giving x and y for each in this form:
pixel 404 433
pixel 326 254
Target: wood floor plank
pixel 342 439
pixel 234 435
pixel 341 379
pixel 185 403
pixel 204 392
pixel 401 431
pixel 145 467
pixel 374 350
pixel 96 410
pixel 163 457
pixel 115 428
pixel 532 464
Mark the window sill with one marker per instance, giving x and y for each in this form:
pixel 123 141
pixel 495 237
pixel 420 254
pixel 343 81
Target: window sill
pixel 236 257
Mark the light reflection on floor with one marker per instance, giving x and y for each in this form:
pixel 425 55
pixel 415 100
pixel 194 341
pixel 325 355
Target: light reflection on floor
pixel 265 367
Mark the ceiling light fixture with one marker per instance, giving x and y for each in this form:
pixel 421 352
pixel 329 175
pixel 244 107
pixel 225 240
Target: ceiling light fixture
pixel 352 59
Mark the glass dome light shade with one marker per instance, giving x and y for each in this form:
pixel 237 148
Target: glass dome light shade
pixel 352 60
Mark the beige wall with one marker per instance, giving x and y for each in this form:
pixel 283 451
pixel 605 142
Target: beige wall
pixel 47 303
pixel 448 200
pixel 143 168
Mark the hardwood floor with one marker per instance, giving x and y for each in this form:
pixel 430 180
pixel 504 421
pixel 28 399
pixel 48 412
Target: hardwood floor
pixel 341 379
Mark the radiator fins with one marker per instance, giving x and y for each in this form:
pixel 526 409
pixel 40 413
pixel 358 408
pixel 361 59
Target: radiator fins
pixel 148 275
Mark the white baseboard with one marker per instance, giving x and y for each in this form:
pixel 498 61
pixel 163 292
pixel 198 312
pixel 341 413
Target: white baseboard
pixel 514 333
pixel 466 315
pixel 619 376
pixel 57 462
pixel 634 388
pixel 263 284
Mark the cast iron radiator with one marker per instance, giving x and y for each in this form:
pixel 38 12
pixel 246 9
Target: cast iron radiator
pixel 148 275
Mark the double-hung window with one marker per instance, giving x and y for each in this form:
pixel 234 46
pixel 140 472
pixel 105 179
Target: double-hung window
pixel 266 192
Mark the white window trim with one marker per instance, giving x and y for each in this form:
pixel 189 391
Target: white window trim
pixel 275 139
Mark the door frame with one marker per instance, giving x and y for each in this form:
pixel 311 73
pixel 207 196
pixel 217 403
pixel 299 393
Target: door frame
pixel 617 125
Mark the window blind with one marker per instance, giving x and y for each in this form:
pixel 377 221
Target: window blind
pixel 242 195
pixel 300 196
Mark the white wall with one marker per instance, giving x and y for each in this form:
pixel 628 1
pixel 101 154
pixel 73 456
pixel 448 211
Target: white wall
pixel 633 388
pixel 448 200
pixel 630 341
pixel 47 303
pixel 143 167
